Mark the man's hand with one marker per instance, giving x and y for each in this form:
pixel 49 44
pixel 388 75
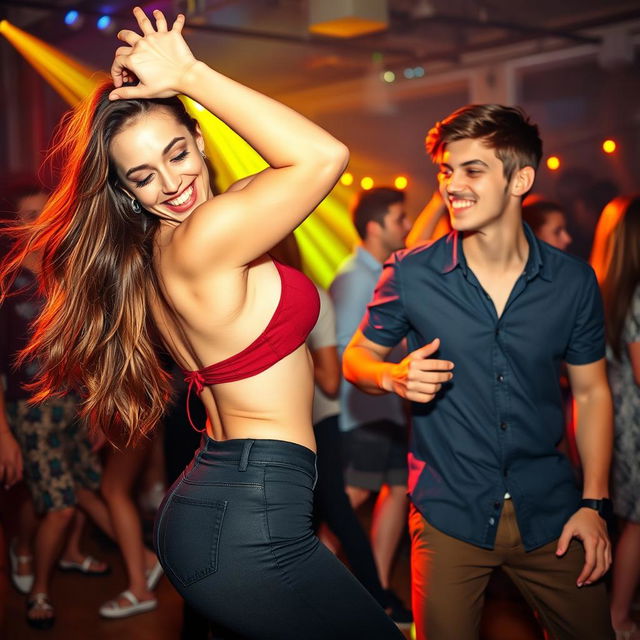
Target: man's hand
pixel 586 525
pixel 417 377
pixel 10 460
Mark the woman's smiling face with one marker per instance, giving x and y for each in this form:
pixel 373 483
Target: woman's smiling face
pixel 159 163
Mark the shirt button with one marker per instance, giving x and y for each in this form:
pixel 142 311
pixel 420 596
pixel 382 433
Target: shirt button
pixel 500 378
pixel 492 521
pixel 497 332
pixel 503 426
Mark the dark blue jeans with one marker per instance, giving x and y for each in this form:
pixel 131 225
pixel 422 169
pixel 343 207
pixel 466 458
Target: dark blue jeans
pixel 235 537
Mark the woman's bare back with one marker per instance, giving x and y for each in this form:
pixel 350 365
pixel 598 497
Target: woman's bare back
pixel 208 320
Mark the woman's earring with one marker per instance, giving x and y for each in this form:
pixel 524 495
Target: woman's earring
pixel 203 154
pixel 135 205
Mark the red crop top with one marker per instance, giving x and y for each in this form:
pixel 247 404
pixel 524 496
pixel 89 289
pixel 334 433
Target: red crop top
pixel 293 319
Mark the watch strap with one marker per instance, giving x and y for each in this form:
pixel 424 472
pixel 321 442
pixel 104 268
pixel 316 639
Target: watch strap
pixel 603 506
pixel 591 503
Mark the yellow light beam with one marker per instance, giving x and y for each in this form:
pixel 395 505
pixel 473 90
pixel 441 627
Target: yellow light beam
pixel 72 80
pixel 325 238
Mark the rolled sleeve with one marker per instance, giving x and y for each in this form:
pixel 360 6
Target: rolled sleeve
pixel 587 343
pixel 385 321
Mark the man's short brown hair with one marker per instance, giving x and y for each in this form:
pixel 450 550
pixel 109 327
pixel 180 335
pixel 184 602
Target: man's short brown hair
pixel 374 205
pixel 507 130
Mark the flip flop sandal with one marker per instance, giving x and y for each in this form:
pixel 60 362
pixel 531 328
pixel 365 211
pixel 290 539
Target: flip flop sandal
pixel 153 576
pixel 113 609
pixel 83 567
pixel 23 583
pixel 40 601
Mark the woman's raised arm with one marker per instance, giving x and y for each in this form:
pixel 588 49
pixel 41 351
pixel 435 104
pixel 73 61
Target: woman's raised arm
pixel 305 161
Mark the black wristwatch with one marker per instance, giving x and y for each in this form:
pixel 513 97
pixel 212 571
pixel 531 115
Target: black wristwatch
pixel 602 506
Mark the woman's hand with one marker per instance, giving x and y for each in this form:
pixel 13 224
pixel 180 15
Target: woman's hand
pixel 10 460
pixel 158 59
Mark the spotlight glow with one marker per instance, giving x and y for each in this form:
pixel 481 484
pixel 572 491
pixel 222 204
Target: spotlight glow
pixel 71 17
pixel 553 163
pixel 72 80
pixel 346 179
pixel 401 182
pixel 609 146
pixel 389 76
pixel 418 72
pixel 366 183
pixel 103 23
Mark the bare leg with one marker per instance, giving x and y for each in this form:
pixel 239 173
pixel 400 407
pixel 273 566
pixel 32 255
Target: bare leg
pixel 27 526
pixel 328 539
pixel 48 544
pixel 389 520
pixel 95 507
pixel 152 483
pixel 626 576
pixel 120 472
pixel 357 495
pixel 72 551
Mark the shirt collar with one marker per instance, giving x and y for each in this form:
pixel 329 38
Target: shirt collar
pixel 536 265
pixel 367 259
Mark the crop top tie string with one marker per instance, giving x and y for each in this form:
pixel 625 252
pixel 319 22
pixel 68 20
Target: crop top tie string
pixel 193 379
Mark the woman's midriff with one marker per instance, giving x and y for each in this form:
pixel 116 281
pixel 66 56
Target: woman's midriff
pixel 275 404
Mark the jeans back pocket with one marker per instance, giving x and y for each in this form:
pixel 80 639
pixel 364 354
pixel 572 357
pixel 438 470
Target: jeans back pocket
pixel 188 537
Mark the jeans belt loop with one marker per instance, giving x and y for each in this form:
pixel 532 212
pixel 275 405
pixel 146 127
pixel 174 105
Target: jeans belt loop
pixel 244 458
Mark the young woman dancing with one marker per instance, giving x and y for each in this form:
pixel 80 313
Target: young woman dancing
pixel 616 260
pixel 136 246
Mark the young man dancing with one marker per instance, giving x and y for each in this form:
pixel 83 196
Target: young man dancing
pixel 487 484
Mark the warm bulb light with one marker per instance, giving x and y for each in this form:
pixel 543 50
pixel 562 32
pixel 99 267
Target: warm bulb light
pixel 609 146
pixel 553 163
pixel 401 182
pixel 366 183
pixel 346 179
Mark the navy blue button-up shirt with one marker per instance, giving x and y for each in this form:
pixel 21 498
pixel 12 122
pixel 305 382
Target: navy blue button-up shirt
pixel 495 427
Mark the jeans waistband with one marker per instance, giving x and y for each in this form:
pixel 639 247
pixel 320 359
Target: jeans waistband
pixel 264 451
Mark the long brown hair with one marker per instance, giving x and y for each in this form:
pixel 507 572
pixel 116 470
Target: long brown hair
pixel 616 258
pixel 95 333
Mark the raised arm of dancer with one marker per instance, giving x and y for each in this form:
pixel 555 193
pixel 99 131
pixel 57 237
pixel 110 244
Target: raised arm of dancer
pixel 430 224
pixel 305 161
